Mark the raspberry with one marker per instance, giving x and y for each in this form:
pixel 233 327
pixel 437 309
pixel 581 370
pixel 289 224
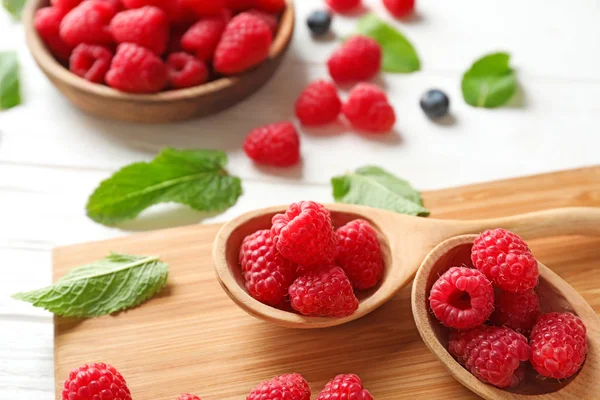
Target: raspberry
pixel 558 345
pixel 205 8
pixel 347 386
pixel 324 292
pixel 47 23
pixel 275 144
pixel 95 381
pixel 518 311
pixel 188 396
pixel 136 69
pixel 268 18
pixel 491 353
pixel 65 5
pixel 399 8
pixel 462 298
pixel 116 4
pixel 506 260
pixel 367 109
pixel 186 71
pixel 268 275
pixel 318 104
pixel 203 37
pixel 359 254
pixel 88 23
pixel 270 6
pixel 168 6
pixel 359 59
pixel 90 62
pixel 342 6
pixel 284 387
pixel 304 234
pixel 244 44
pixel 147 27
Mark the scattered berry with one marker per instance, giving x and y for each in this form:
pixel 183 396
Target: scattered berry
pixel 347 386
pixel 205 8
pixel 88 23
pixel 506 260
pixel 244 44
pixel 95 381
pixel 270 6
pixel 65 5
pixel 304 234
pixel 518 311
pixel 558 345
pixel 318 104
pixel 359 59
pixel 188 396
pixel 367 108
pixel 359 254
pixel 90 62
pixel 319 22
pixel 203 37
pixel 462 298
pixel 147 27
pixel 343 6
pixel 435 103
pixel 491 353
pixel 324 292
pixel 136 69
pixel 185 70
pixel 274 144
pixel 268 18
pixel 47 23
pixel 399 8
pixel 284 387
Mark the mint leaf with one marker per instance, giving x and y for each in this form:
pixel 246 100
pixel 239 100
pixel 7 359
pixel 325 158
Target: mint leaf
pixel 115 283
pixel 196 178
pixel 399 55
pixel 490 82
pixel 373 186
pixel 10 92
pixel 14 7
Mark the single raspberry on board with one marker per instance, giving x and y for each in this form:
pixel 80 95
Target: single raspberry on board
pixel 65 5
pixel 358 59
pixel 268 18
pixel 186 70
pixel 318 104
pixel 136 69
pixel 188 396
pixel 275 144
pixel 205 8
pixel 367 109
pixel 245 43
pixel 147 27
pixel 270 6
pixel 324 292
pixel 88 23
pixel 558 345
pixel 491 353
pixel 304 234
pixel 47 23
pixel 506 260
pixel 346 386
pixel 284 387
pixel 203 37
pixel 399 8
pixel 462 298
pixel 95 381
pixel 359 254
pixel 343 6
pixel 90 62
pixel 518 311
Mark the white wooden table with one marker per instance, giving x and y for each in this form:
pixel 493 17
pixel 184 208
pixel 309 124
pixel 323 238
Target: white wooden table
pixel 52 156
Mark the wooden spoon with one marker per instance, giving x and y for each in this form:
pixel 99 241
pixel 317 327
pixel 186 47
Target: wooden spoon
pixel 555 295
pixel 405 241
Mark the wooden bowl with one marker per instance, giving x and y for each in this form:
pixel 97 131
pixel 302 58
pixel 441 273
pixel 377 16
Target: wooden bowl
pixel 172 105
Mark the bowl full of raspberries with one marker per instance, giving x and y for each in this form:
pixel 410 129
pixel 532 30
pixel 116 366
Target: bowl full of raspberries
pixel 158 60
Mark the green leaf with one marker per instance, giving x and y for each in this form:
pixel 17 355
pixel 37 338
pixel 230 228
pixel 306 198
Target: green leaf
pixel 399 55
pixel 490 82
pixel 196 178
pixel 10 92
pixel 14 7
pixel 372 186
pixel 115 283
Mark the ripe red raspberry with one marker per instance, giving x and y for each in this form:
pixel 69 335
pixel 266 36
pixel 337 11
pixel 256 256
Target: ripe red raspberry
pixel 47 23
pixel 284 387
pixel 267 274
pixel 399 8
pixel 558 345
pixel 90 62
pixel 462 298
pixel 205 8
pixel 359 59
pixel 491 353
pixel 185 70
pixel 324 292
pixel 518 311
pixel 203 37
pixel 359 254
pixel 304 234
pixel 147 27
pixel 506 260
pixel 168 6
pixel 343 6
pixel 268 18
pixel 88 23
pixel 367 109
pixel 136 69
pixel 347 386
pixel 318 104
pixel 188 396
pixel 65 5
pixel 274 144
pixel 244 44
pixel 95 381
pixel 270 6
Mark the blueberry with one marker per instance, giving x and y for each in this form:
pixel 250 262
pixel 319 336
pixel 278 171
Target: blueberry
pixel 435 103
pixel 319 22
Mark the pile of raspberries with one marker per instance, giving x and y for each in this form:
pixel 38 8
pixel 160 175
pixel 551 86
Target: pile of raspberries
pixel 303 262
pixel 496 319
pixel 145 46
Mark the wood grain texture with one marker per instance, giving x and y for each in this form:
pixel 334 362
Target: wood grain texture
pixel 193 338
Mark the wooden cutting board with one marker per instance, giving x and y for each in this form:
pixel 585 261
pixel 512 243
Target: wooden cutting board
pixel 192 338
